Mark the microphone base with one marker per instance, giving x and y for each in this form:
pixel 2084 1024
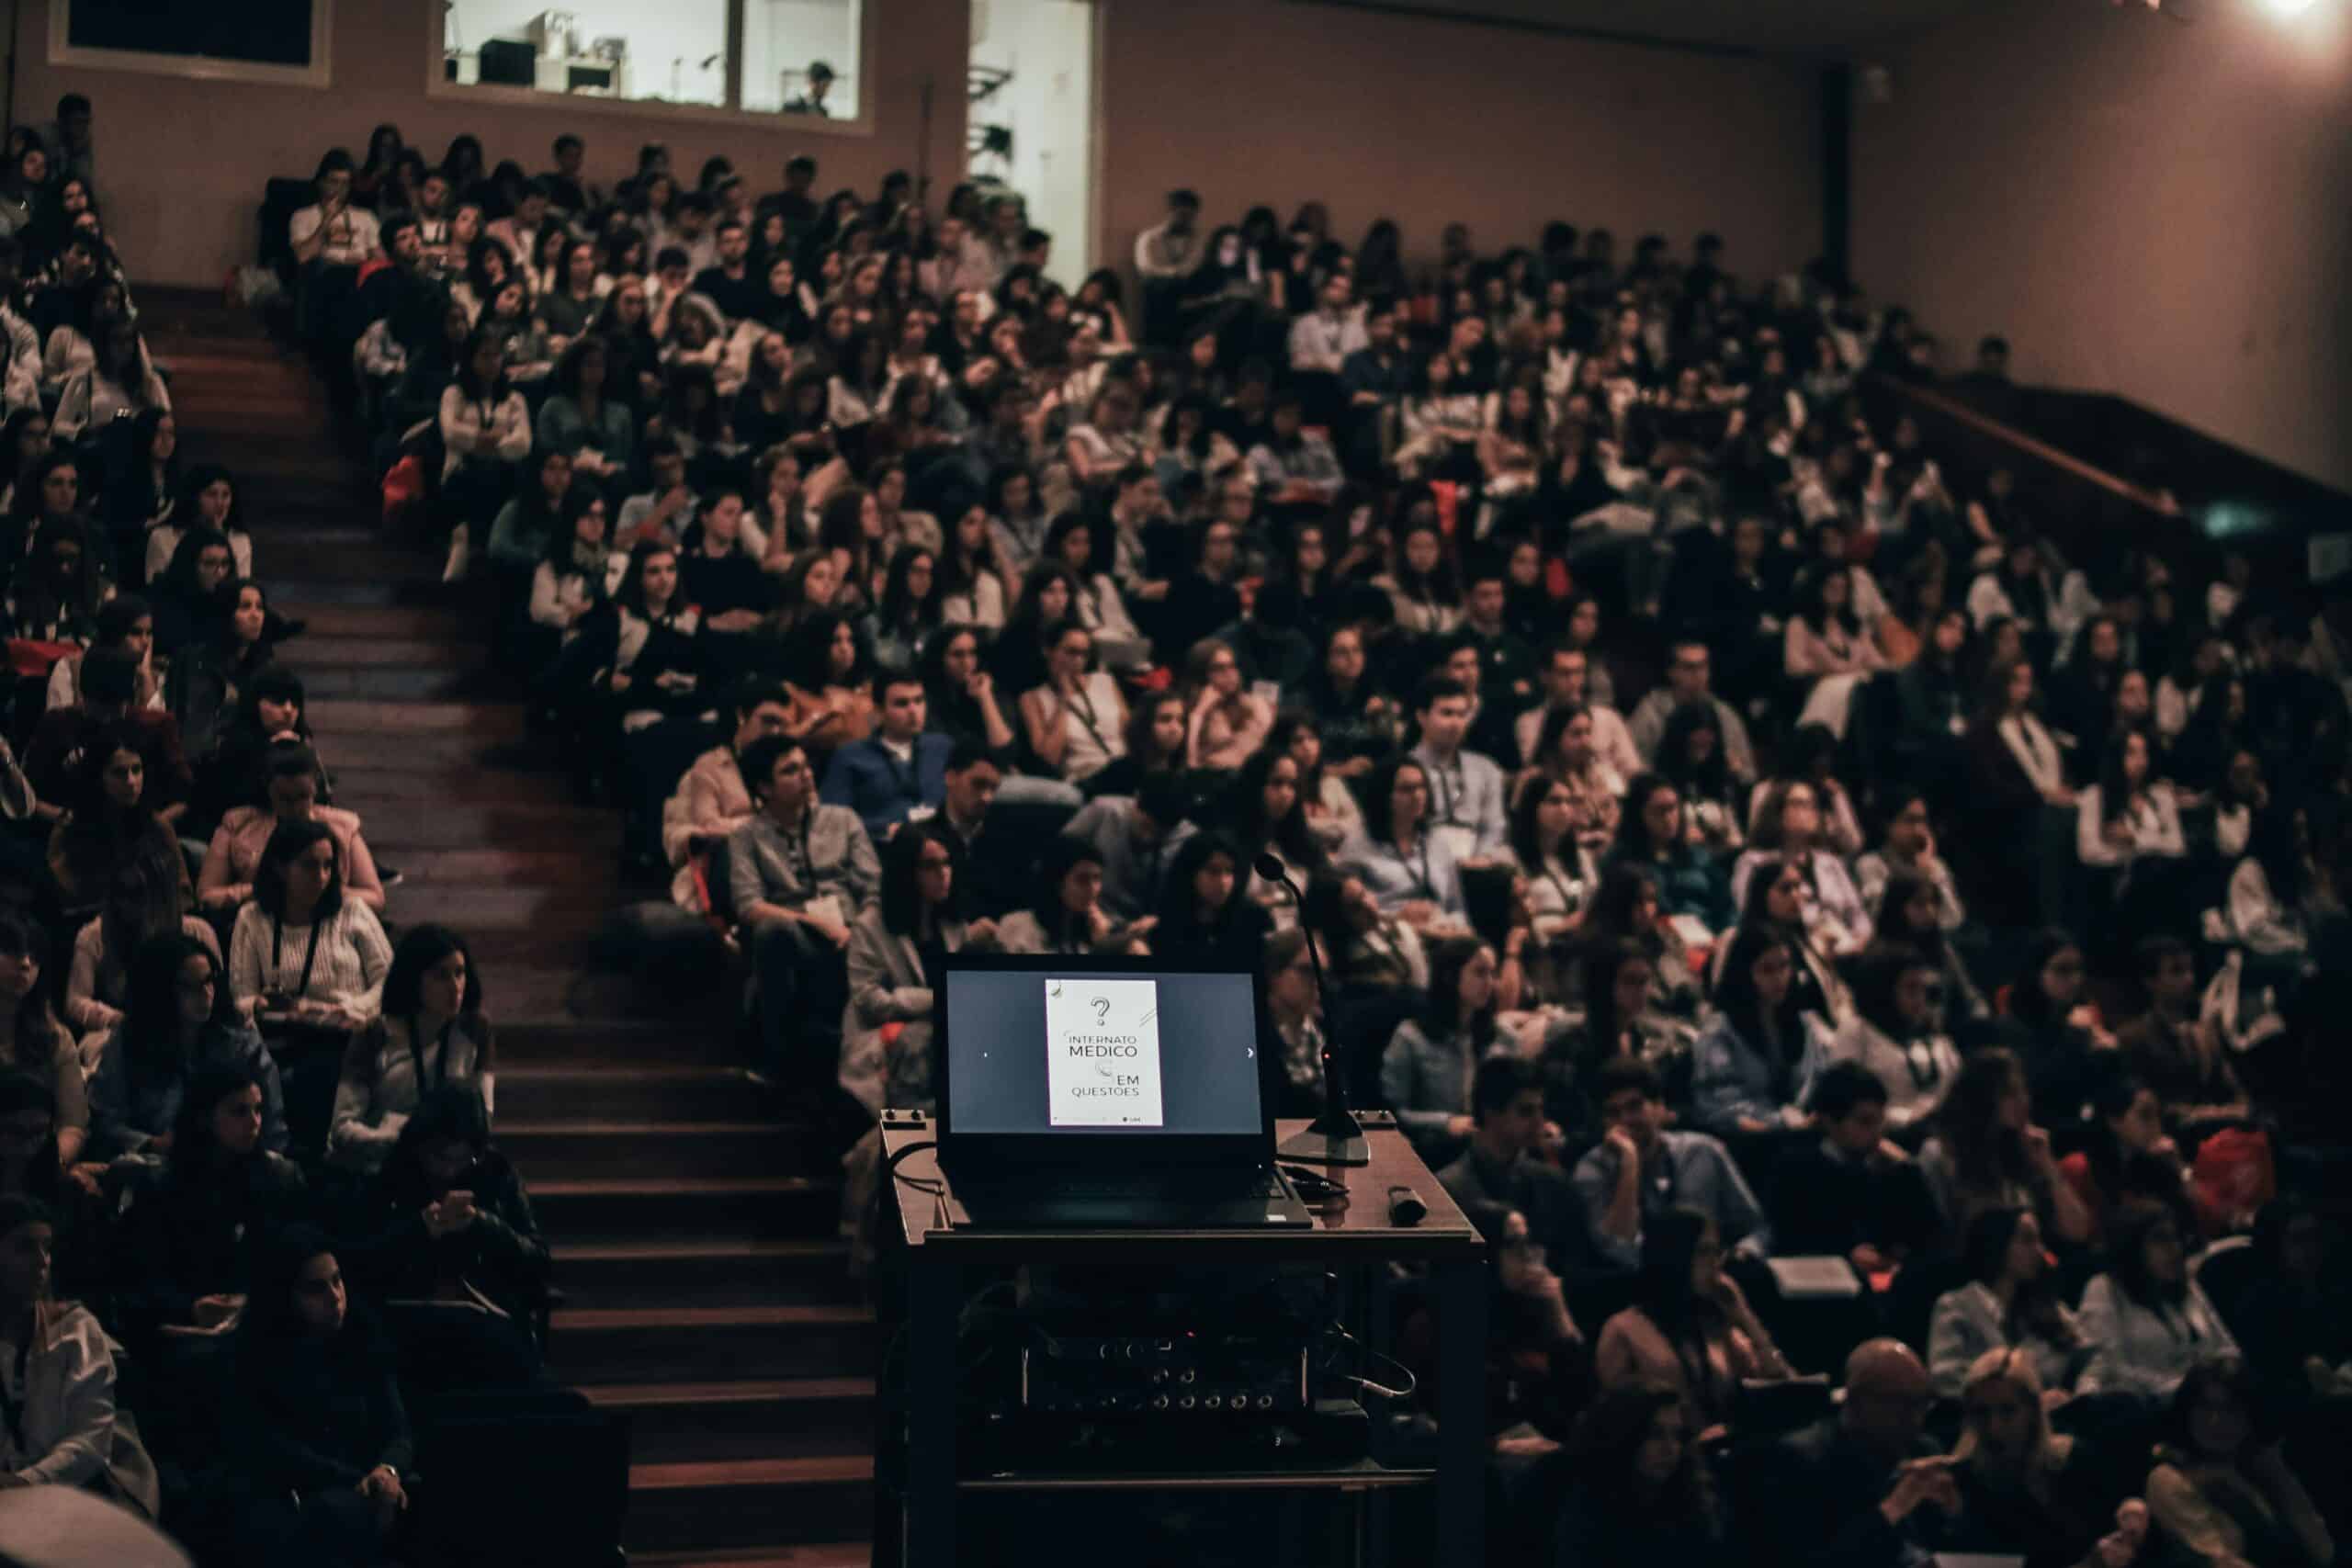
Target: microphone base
pixel 1332 1138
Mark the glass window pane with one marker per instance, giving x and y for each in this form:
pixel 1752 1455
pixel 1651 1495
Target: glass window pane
pixel 662 50
pixel 782 38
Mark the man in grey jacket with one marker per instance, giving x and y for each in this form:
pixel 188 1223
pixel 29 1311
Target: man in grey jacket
pixel 799 873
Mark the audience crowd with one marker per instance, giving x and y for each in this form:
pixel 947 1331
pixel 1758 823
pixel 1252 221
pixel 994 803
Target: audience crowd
pixel 1858 944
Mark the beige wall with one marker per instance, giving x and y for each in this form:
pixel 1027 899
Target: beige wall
pixel 182 162
pixel 1429 121
pixel 2143 208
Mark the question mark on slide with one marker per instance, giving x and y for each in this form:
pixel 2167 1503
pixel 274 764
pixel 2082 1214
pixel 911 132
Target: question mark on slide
pixel 1101 1010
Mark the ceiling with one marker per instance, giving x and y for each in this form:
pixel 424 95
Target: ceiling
pixel 1839 28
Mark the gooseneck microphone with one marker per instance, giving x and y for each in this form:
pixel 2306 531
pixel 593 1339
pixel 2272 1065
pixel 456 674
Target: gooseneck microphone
pixel 1335 1137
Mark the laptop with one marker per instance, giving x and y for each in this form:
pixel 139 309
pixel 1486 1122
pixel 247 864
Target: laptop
pixel 1106 1094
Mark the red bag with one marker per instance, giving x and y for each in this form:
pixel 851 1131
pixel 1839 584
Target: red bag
pixel 2234 1176
pixel 1448 496
pixel 403 487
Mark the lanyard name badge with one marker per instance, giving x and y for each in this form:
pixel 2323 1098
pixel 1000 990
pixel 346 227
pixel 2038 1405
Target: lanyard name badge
pixel 1459 838
pixel 309 957
pixel 824 907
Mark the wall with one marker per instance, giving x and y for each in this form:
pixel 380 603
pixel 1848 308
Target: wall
pixel 1049 45
pixel 2142 207
pixel 781 37
pixel 182 163
pixel 1430 121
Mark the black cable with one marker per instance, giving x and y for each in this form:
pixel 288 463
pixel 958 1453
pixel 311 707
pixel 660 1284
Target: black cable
pixel 920 1184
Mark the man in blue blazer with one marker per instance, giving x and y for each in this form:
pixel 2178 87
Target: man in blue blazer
pixel 896 774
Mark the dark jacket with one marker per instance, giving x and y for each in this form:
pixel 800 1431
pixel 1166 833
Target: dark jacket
pixel 312 1417
pixel 502 1255
pixel 193 1235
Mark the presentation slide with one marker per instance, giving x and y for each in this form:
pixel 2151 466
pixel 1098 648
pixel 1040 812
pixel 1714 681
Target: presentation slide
pixel 1102 1052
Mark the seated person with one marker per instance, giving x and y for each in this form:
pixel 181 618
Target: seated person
pixel 1130 836
pixel 1751 1064
pixel 2222 1495
pixel 110 691
pixel 1641 1169
pixel 1863 1487
pixel 321 1437
pixel 1065 913
pixel 186 1235
pixel 139 906
pixel 32 1041
pixel 180 1022
pixel 1411 871
pixel 2010 1303
pixel 1426 1073
pixel 898 773
pixel 1849 1194
pixel 1985 1152
pixel 289 792
pixel 432 1032
pixel 800 874
pixel 2026 1490
pixel 113 831
pixel 1894 1031
pixel 300 951
pixel 2146 1319
pixel 2171 1049
pixel 1643 1493
pixel 63 1427
pixel 1690 1327
pixel 1205 917
pixel 710 801
pixel 1500 1168
pixel 918 914
pixel 448 1220
pixel 2127 1157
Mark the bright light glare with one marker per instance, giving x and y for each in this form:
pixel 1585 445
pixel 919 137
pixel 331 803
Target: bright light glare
pixel 2288 8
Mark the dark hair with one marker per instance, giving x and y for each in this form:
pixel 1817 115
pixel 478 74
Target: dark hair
pixel 758 760
pixel 17 1210
pixel 193 1148
pixel 1662 1291
pixel 901 862
pixel 1902 887
pixel 1741 1006
pixel 1634 840
pixel 1245 813
pixel 2226 1373
pixel 278 1265
pixel 1611 1433
pixel 421 947
pixel 898 608
pixel 1441 1012
pixel 1710 779
pixel 1061 855
pixel 1378 791
pixel 1618 1074
pixel 1986 1155
pixel 150 1033
pixel 2129 1229
pixel 812 649
pixel 1841 1089
pixel 286 841
pixel 1499 1080
pixel 1877 974
pixel 1180 921
pixel 2028 1002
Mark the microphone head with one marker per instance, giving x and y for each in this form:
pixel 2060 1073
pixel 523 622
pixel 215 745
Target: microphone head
pixel 1269 866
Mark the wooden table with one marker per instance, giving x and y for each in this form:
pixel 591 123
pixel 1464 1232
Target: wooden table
pixel 942 1242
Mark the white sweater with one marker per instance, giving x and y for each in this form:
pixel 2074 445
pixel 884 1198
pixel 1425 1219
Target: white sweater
pixel 2138 1349
pixel 348 973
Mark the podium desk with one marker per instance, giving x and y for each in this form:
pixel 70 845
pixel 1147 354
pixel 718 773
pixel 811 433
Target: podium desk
pixel 942 1243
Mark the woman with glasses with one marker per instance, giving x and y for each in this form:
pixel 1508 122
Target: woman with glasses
pixel 893 947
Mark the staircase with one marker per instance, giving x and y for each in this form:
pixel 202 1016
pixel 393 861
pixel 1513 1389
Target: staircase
pixel 704 1286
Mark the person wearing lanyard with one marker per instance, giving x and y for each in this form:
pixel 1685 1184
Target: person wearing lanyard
pixel 57 1376
pixel 432 1033
pixel 799 873
pixel 301 951
pixel 1466 789
pixel 1409 870
pixel 899 773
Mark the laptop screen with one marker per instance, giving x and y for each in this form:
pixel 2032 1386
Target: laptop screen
pixel 1039 1053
